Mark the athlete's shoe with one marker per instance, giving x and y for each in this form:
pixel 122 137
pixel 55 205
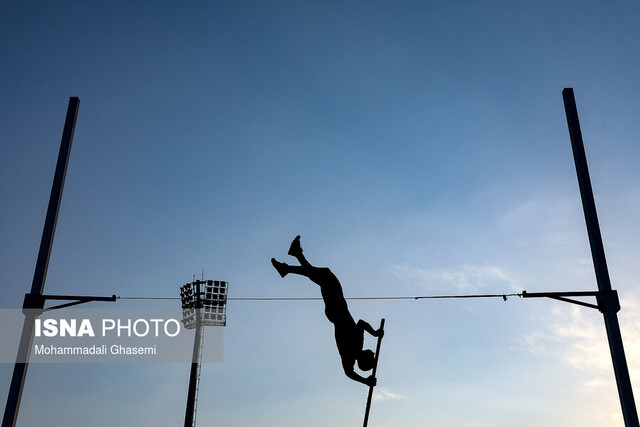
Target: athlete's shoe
pixel 281 267
pixel 295 249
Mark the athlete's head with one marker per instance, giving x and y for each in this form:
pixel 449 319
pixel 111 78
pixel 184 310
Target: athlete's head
pixel 366 360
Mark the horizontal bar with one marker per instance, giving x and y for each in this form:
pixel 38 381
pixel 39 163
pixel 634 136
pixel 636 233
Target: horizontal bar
pixel 526 294
pixel 36 301
pixel 78 298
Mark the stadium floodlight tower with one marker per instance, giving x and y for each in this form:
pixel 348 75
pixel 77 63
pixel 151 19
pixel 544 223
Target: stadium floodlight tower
pixel 204 303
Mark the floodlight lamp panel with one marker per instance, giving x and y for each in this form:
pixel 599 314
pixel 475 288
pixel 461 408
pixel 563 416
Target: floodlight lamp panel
pixel 204 301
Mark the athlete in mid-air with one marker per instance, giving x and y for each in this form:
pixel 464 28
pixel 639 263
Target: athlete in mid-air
pixel 349 334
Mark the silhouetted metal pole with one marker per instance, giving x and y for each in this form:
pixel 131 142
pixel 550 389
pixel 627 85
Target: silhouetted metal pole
pixel 608 305
pixel 37 286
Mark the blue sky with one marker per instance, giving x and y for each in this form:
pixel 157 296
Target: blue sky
pixel 418 148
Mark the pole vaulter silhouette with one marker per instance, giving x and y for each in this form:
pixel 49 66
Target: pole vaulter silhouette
pixel 349 334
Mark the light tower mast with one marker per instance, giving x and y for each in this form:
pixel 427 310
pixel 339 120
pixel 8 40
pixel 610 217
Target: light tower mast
pixel 204 303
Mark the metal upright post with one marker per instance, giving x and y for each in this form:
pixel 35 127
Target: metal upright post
pixel 37 286
pixel 608 302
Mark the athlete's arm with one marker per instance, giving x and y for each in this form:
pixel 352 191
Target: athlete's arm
pixel 349 372
pixel 367 327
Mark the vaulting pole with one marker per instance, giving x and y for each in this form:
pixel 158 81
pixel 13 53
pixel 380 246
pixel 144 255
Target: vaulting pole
pixel 373 373
pixel 37 286
pixel 609 308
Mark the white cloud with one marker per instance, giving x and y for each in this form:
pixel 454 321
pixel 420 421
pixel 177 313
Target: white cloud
pixel 550 219
pixel 553 208
pixel 465 278
pixel 380 393
pixel 578 337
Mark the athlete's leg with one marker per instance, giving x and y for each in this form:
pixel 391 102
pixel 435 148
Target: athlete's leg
pixel 313 273
pixel 321 276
